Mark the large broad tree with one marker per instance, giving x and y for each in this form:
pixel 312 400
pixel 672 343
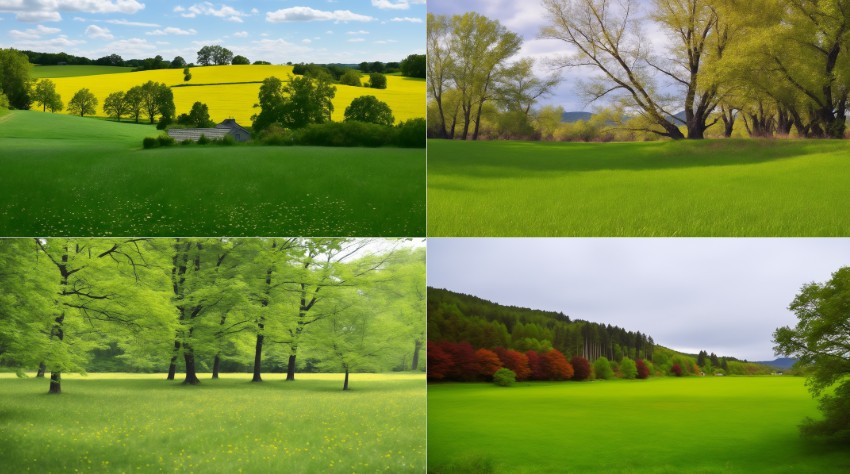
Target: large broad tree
pixel 83 103
pixel 821 342
pixel 44 93
pixel 294 104
pixel 78 295
pixel 609 37
pixel 15 78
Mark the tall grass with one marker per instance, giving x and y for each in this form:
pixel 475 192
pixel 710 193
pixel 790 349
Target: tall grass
pixel 700 188
pixel 141 423
pixel 671 425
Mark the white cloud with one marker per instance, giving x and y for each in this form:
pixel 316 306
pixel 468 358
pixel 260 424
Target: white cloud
pixel 172 31
pixel 240 34
pixel 49 10
pixel 51 45
pixel 132 23
pixel 33 33
pixel 306 41
pixel 407 19
pixel 385 41
pixel 360 32
pixel 133 47
pixel 356 40
pixel 389 5
pixel 96 32
pixel 226 12
pixel 311 14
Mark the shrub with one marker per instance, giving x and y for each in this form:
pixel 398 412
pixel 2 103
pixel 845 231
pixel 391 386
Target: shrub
pixel 504 377
pixel 642 369
pixel 203 140
pixel 275 134
pixel 411 133
pixel 628 368
pixel 602 368
pixel 347 134
pixel 227 140
pixel 165 140
pixel 150 142
pixel 350 78
pixel 581 368
pixel 369 109
pixel 676 369
pixel 377 81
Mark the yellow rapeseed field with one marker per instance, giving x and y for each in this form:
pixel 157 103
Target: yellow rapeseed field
pixel 224 90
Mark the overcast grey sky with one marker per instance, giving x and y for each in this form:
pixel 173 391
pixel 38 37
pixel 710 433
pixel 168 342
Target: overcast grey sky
pixel 527 19
pixel 723 295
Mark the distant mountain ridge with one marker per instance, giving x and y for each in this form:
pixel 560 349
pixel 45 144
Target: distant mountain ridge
pixel 780 363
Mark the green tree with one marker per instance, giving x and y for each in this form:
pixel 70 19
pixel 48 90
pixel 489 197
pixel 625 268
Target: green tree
pixel 178 62
pixel 413 66
pixel 504 377
pixel 628 368
pixel 156 99
pixel 350 77
pixel 15 78
pixel 239 59
pixel 608 37
pixel 134 100
pixel 198 116
pixel 820 342
pixel 83 103
pixel 602 369
pixel 296 104
pixel 115 105
pixel 377 81
pixel 369 109
pixel 45 94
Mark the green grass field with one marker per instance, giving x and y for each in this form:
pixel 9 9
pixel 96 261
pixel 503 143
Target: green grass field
pixel 38 72
pixel 141 423
pixel 65 175
pixel 665 425
pixel 691 188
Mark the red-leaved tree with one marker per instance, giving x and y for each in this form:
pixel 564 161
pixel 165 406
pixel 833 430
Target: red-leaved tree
pixel 464 367
pixel 676 369
pixel 488 363
pixel 535 364
pixel 556 365
pixel 642 369
pixel 516 361
pixel 581 368
pixel 439 362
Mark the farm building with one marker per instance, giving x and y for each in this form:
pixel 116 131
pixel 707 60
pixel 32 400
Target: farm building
pixel 228 127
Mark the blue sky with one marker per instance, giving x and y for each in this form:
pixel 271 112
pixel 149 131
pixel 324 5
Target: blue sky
pixel 321 31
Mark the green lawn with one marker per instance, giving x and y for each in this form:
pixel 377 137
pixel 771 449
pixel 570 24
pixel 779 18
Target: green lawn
pixel 65 175
pixel 734 187
pixel 711 424
pixel 38 72
pixel 141 423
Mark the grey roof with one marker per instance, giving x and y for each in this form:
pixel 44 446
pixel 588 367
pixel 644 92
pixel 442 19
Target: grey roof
pixel 183 134
pixel 231 124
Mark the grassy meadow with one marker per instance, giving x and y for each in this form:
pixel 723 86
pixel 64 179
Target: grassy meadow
pixel 733 187
pixel 228 91
pixel 66 175
pixel 142 423
pixel 663 425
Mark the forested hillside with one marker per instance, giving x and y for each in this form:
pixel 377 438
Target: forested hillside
pixel 457 317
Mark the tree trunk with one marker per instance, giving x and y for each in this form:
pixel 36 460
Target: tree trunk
pixel 216 365
pixel 258 357
pixel 172 366
pixel 414 365
pixel 191 376
pixel 40 373
pixel 290 369
pixel 55 383
pixel 345 385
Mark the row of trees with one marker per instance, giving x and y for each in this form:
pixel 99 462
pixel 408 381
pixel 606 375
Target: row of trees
pixel 460 361
pixel 172 304
pixel 336 73
pixel 219 55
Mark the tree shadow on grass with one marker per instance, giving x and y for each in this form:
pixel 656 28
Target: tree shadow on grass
pixel 499 159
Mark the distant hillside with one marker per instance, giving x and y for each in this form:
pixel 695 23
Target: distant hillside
pixel 570 117
pixel 780 363
pixel 457 317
